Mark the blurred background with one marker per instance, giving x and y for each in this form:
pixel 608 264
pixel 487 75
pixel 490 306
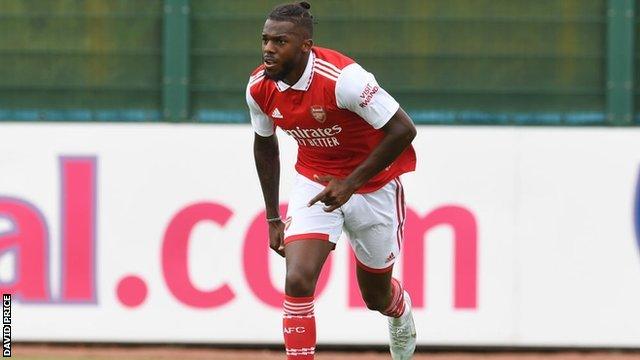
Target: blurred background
pixel 502 62
pixel 130 211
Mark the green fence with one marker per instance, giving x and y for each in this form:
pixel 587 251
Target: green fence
pixel 545 62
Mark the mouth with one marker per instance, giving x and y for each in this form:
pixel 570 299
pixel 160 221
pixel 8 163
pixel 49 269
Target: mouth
pixel 269 62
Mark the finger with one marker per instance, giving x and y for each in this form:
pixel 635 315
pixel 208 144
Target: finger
pixel 317 198
pixel 281 246
pixel 278 247
pixel 328 201
pixel 279 251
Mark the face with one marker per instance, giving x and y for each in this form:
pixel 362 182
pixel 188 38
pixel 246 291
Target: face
pixel 283 48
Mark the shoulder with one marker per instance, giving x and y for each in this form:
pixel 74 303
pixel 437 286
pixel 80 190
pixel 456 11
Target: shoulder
pixel 330 63
pixel 332 58
pixel 257 84
pixel 257 76
pixel 358 90
pixel 353 80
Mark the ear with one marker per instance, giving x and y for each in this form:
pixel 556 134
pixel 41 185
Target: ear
pixel 307 45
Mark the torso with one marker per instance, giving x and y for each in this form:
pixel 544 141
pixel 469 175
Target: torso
pixel 331 140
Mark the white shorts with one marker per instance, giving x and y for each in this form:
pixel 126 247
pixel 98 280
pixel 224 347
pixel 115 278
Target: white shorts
pixel 373 222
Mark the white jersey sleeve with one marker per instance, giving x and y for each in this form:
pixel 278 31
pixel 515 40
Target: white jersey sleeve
pixel 262 124
pixel 357 90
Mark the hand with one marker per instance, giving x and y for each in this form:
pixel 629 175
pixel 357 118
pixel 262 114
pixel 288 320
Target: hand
pixel 276 237
pixel 336 194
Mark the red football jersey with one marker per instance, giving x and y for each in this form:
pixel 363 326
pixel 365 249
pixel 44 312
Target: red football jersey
pixel 334 112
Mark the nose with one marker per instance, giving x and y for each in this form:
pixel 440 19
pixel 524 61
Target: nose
pixel 269 48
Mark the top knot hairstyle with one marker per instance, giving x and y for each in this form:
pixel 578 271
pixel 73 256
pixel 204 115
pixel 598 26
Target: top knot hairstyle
pixel 297 13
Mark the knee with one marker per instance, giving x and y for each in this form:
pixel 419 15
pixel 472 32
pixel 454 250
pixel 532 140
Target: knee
pixel 299 283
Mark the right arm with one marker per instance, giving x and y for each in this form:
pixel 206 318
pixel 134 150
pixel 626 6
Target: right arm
pixel 267 158
pixel 265 152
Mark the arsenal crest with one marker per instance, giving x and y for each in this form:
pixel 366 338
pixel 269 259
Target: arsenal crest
pixel 318 113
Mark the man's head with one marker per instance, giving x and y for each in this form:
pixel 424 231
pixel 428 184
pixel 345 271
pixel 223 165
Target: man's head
pixel 286 39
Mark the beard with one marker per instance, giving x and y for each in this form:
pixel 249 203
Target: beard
pixel 285 70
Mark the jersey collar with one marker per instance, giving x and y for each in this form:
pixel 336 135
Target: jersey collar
pixel 304 81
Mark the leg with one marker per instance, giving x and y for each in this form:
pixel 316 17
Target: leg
pixel 374 222
pixel 309 238
pixel 375 288
pixel 384 294
pixel 304 262
pixel 381 292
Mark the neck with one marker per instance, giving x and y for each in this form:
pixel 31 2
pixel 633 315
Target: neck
pixel 297 72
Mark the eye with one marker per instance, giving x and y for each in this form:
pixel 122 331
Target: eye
pixel 282 42
pixel 264 41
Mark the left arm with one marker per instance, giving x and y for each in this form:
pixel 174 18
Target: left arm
pixel 399 131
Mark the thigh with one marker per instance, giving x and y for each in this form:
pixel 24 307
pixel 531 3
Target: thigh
pixel 374 223
pixel 304 222
pixel 306 257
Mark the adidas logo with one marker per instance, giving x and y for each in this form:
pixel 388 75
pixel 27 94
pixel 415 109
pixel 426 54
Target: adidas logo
pixel 391 257
pixel 276 114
